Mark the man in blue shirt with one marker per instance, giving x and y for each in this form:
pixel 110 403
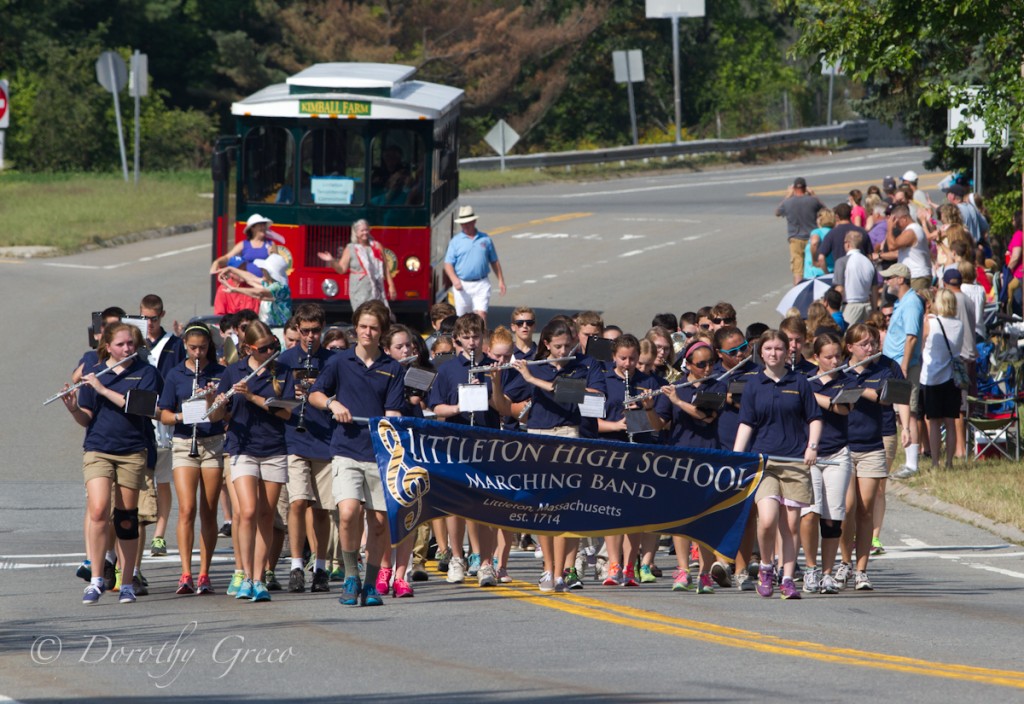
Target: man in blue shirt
pixel 902 345
pixel 467 264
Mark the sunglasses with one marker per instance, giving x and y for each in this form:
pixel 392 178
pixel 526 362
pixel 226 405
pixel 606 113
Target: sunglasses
pixel 735 350
pixel 266 348
pixel 723 321
pixel 527 323
pixel 701 365
pixel 705 326
pixel 310 331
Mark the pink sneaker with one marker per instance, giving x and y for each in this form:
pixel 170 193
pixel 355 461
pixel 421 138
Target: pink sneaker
pixel 384 580
pixel 766 580
pixel 401 589
pixel 789 590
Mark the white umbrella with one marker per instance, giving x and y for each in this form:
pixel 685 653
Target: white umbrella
pixel 804 293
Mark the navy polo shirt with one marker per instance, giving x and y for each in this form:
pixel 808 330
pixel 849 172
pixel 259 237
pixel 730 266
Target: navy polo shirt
pixel 111 430
pixel 446 391
pixel 529 354
pixel 806 367
pixel 888 412
pixel 89 359
pixel 778 413
pixel 865 420
pixel 834 425
pixel 178 389
pixel 546 413
pixel 253 430
pixel 729 417
pixel 172 354
pixel 315 443
pixel 614 405
pixel 366 392
pixel 686 430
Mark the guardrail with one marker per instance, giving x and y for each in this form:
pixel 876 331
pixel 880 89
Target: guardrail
pixel 851 132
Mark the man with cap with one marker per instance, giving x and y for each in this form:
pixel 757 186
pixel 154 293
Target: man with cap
pixel 467 263
pixel 908 240
pixel 800 208
pixel 974 221
pixel 903 346
pixel 920 197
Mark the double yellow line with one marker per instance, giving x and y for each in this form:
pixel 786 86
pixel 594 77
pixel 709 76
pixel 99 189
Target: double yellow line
pixel 713 634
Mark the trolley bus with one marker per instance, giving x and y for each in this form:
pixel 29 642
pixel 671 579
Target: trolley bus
pixel 335 143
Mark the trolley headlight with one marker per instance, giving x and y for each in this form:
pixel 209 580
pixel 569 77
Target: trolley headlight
pixel 412 264
pixel 330 288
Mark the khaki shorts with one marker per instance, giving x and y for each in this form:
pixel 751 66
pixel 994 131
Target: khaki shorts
pixel 870 465
pixel 562 431
pixel 164 466
pixel 310 480
pixel 789 482
pixel 211 453
pixel 125 470
pixel 147 501
pixel 889 444
pixel 357 480
pixel 281 512
pixel 269 469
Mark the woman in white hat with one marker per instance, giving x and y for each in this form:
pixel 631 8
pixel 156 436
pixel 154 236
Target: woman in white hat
pixel 364 262
pixel 271 289
pixel 258 244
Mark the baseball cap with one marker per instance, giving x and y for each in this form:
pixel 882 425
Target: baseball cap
pixel 957 190
pixel 952 276
pixel 897 270
pixel 910 176
pixel 799 182
pixel 889 183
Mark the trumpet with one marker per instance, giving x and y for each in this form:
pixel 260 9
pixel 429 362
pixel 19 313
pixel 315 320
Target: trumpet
pixel 301 426
pixel 231 392
pixel 845 367
pixel 500 367
pixel 194 450
pixel 685 384
pixel 75 387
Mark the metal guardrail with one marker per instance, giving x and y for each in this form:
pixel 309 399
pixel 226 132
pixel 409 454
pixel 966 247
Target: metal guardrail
pixel 851 132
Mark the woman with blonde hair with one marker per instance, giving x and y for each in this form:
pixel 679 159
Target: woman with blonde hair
pixel 366 265
pixel 826 221
pixel 940 396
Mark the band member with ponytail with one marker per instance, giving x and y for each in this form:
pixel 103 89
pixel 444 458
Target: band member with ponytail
pixel 202 469
pixel 256 445
pixel 116 448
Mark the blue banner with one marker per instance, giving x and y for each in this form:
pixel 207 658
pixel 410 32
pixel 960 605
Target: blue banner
pixel 544 484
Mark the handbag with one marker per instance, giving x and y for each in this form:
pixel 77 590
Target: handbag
pixel 960 375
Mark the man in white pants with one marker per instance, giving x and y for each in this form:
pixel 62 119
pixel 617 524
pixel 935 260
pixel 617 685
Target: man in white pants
pixel 470 257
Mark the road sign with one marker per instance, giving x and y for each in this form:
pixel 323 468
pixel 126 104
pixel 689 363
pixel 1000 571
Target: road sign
pixel 980 137
pixel 111 72
pixel 662 9
pixel 501 139
pixel 629 66
pixel 5 105
pixel 138 80
pixel 828 69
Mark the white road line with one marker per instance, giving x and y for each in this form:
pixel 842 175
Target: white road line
pixel 546 276
pixel 997 570
pixel 174 252
pixel 71 266
pixel 108 267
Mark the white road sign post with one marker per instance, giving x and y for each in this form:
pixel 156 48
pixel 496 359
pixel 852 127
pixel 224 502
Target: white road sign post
pixel 629 69
pixel 112 74
pixel 980 138
pixel 138 87
pixel 501 139
pixel 674 9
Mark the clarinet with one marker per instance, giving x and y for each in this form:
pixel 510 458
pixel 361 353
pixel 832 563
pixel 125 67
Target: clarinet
pixel 625 373
pixel 194 450
pixel 301 426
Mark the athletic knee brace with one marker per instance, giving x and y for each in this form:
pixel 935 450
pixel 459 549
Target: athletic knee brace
pixel 129 516
pixel 835 530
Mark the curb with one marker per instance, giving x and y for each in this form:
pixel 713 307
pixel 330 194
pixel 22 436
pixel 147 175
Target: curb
pixel 35 252
pixel 928 502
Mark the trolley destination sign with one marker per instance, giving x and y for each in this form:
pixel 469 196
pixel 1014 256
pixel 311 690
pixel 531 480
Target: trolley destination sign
pixel 334 107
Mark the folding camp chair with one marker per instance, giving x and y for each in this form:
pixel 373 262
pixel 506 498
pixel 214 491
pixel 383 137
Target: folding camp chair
pixel 993 425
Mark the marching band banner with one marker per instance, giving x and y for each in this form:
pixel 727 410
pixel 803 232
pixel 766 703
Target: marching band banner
pixel 544 484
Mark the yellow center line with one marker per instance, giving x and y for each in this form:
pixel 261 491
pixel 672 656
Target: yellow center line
pixel 541 221
pixel 11 261
pixel 714 634
pixel 925 181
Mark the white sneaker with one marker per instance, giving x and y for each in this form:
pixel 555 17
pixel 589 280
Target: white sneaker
pixel 863 584
pixel 485 575
pixel 843 574
pixel 812 580
pixel 904 472
pixel 828 585
pixel 546 584
pixel 456 571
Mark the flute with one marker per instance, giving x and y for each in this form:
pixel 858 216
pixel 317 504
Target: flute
pixel 231 392
pixel 684 384
pixel 74 387
pixel 194 449
pixel 499 367
pixel 845 367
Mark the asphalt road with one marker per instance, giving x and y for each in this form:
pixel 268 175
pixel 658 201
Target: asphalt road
pixel 944 621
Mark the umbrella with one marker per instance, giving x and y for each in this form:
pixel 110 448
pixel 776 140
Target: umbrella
pixel 804 293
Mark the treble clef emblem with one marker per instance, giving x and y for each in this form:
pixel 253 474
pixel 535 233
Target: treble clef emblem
pixel 406 484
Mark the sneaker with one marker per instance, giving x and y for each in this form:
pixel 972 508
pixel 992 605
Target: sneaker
pixel 384 580
pixel 538 553
pixel 418 574
pixel 876 547
pixel 127 594
pixel 117 580
pixel 185 585
pixel 370 597
pixel 203 586
pixel 503 576
pixel 722 574
pixel 444 560
pixel 321 582
pixel 400 589
pixel 225 530
pixel 296 581
pixel 245 590
pixel 260 592
pixel 744 583
pixel 629 578
pixel 545 583
pixel 752 567
pixel 656 571
pixel 456 571
pixel 812 580
pixel 694 555
pixel 681 580
pixel 474 565
pixel 560 586
pixel 158 548
pixel 647 575
pixel 337 575
pixel 862 582
pixel 140 585
pixel 798 575
pixel 236 583
pixel 843 574
pixel 485 577
pixel 272 584
pixel 84 571
pixel 904 472
pixel 350 592
pixel 828 585
pixel 766 580
pixel 789 590
pixel 572 579
pixel 142 578
pixel 614 578
pixel 92 595
pixel 705 585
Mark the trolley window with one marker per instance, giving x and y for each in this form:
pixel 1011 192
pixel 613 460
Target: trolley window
pixel 398 160
pixel 333 168
pixel 269 159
